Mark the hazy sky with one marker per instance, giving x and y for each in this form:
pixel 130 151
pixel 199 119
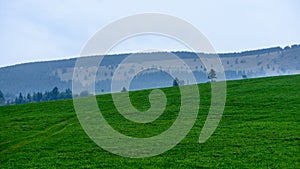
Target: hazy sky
pixel 33 30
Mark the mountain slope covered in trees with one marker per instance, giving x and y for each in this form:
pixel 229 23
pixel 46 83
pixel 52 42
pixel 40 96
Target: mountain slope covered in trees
pixel 44 76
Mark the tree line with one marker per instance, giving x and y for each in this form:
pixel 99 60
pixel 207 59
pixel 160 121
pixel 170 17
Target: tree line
pixel 54 94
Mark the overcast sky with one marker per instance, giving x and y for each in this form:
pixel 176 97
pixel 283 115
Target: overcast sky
pixel 33 30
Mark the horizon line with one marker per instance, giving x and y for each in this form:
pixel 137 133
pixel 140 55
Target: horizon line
pixel 144 52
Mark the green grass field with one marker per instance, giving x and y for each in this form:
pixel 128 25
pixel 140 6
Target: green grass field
pixel 259 129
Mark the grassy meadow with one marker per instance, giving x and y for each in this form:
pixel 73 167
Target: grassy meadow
pixel 259 129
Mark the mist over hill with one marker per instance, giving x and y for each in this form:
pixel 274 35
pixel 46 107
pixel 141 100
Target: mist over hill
pixel 43 76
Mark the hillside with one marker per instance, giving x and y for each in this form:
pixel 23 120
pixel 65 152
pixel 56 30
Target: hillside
pixel 44 76
pixel 259 129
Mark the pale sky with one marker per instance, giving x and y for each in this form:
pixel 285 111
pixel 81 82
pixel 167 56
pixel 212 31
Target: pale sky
pixel 33 30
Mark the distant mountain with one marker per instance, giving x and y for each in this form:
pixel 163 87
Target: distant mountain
pixel 44 76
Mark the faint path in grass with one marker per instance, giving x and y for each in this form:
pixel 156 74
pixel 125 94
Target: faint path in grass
pixel 38 132
pixel 38 136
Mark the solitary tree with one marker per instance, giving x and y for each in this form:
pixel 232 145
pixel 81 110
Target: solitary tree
pixel 54 94
pixel 29 98
pixel 2 99
pixel 123 89
pixel 20 99
pixel 212 75
pixel 68 93
pixel 176 82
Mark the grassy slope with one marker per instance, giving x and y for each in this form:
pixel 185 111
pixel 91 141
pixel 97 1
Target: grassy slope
pixel 259 129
